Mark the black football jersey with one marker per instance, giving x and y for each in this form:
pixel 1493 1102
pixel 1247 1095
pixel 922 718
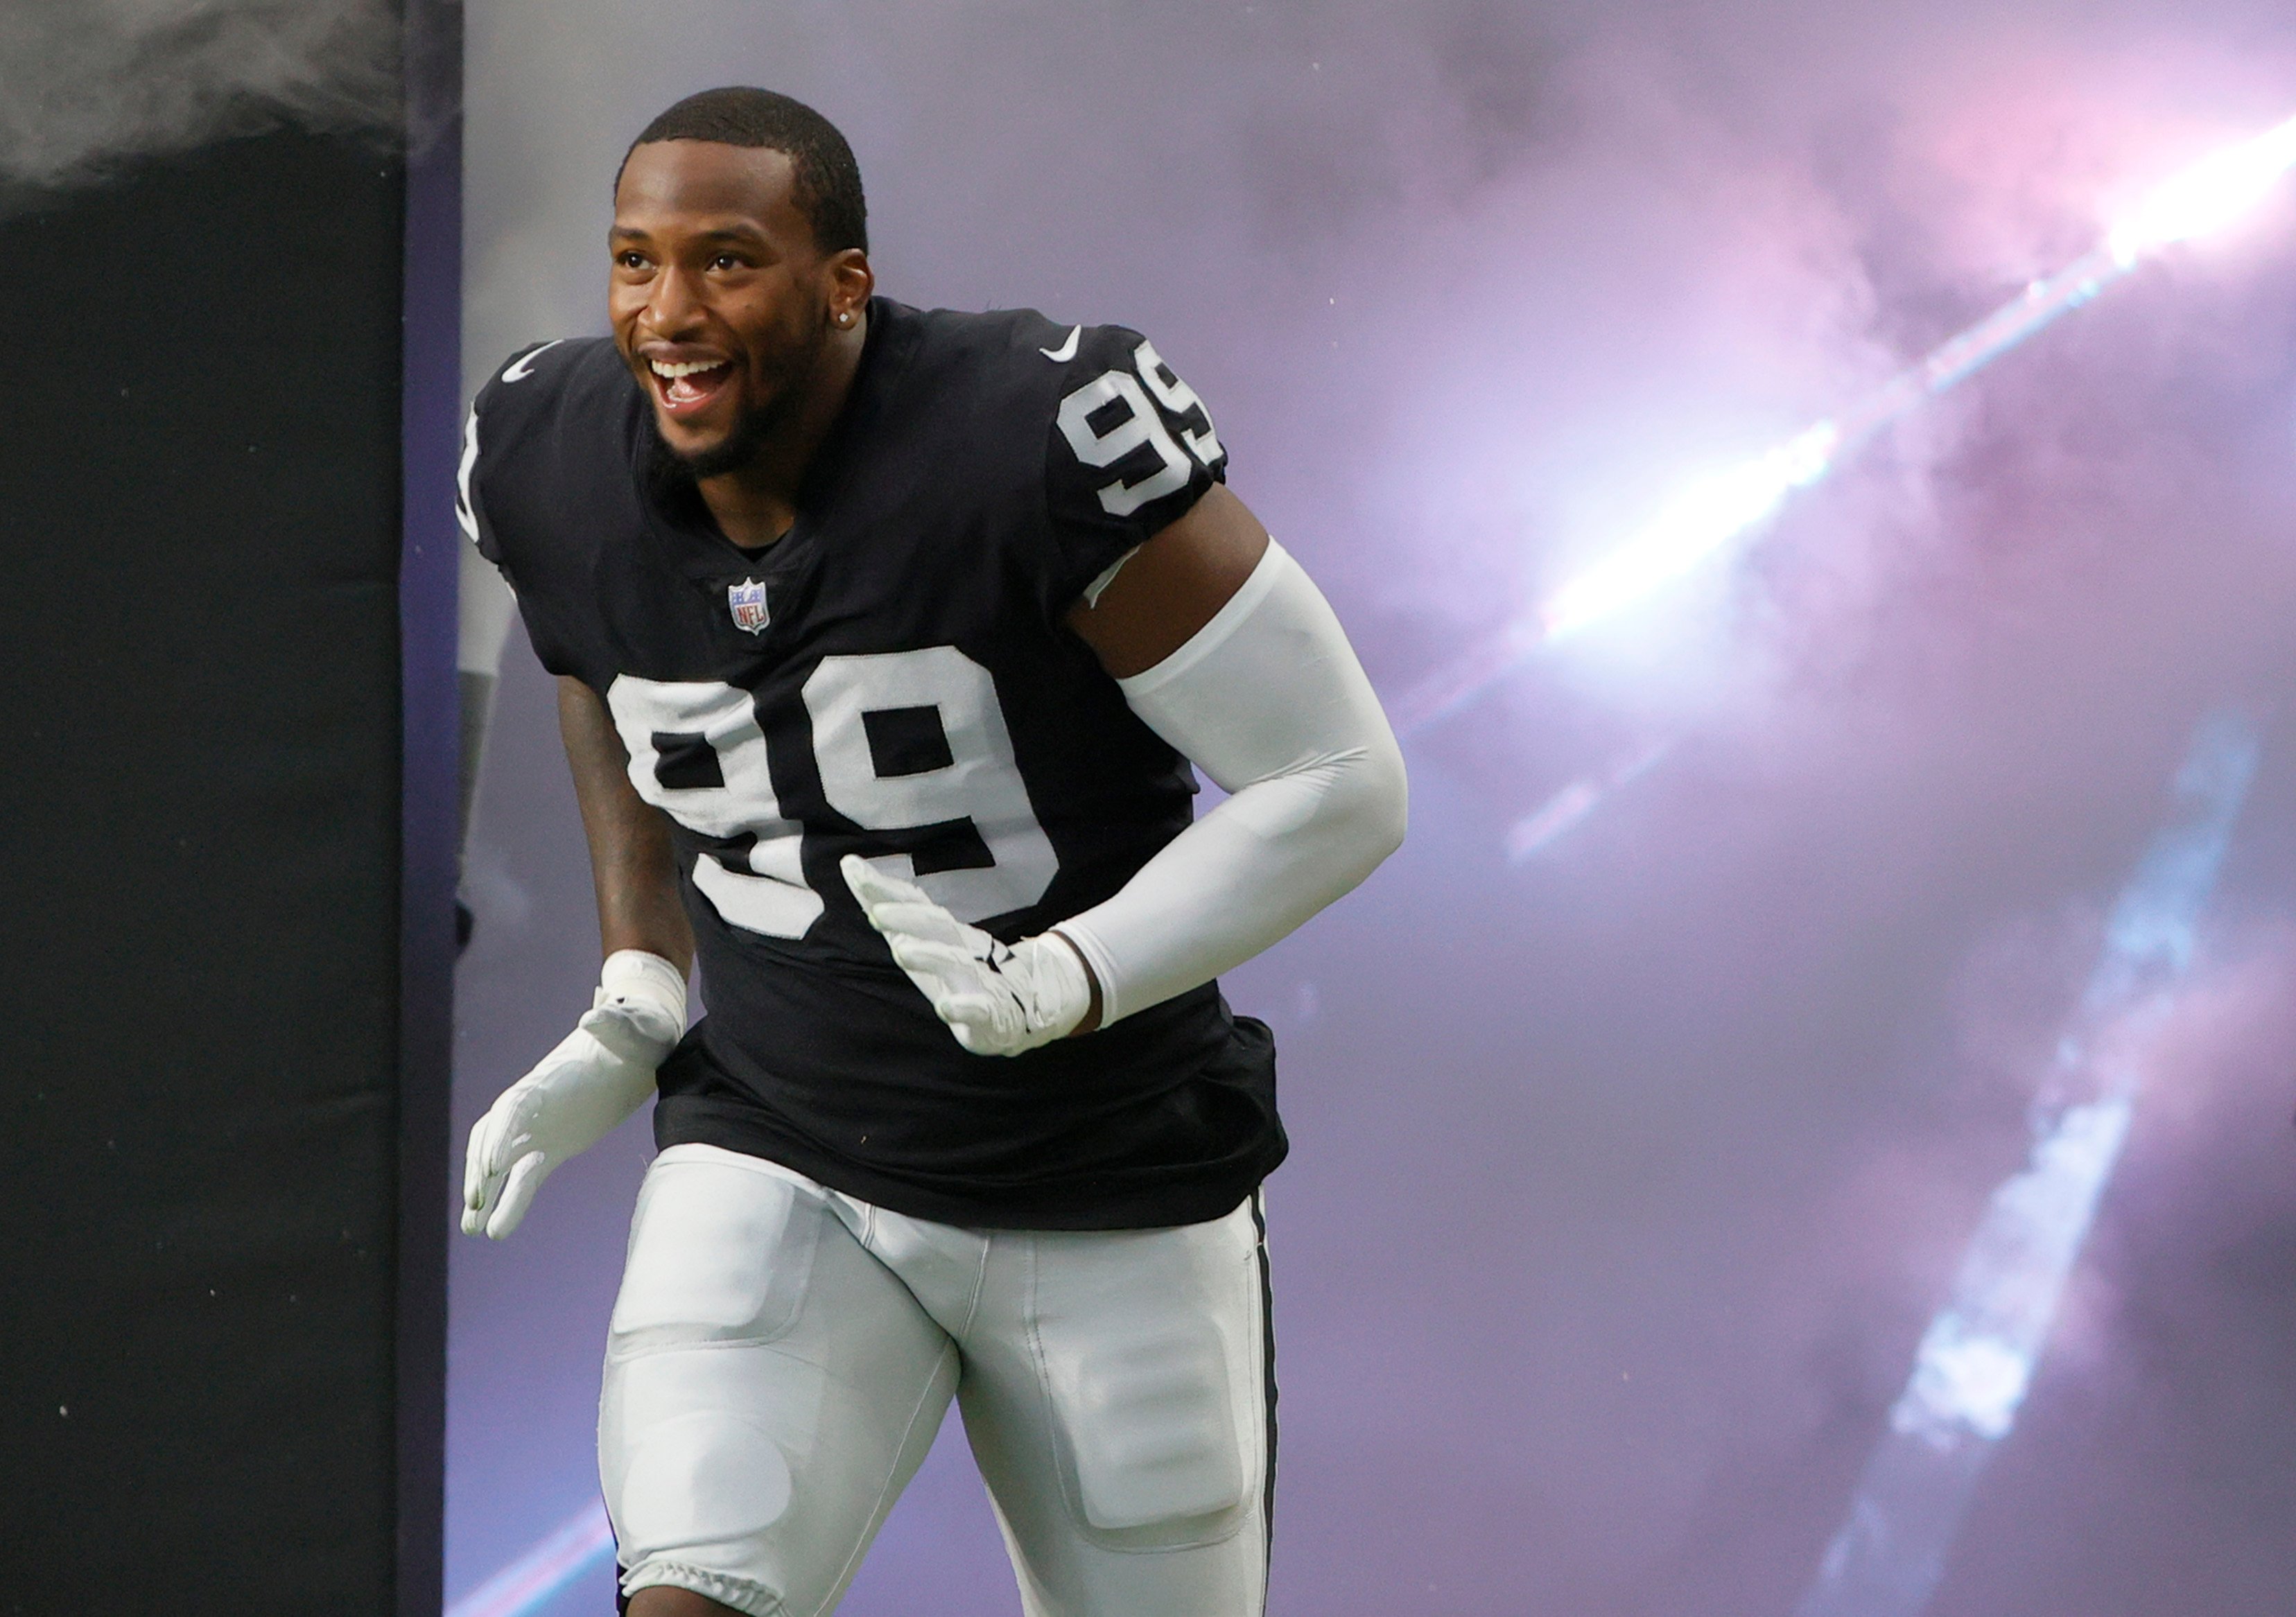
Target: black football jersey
pixel 892 678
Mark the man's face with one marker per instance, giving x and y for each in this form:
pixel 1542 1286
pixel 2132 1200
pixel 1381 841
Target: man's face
pixel 719 299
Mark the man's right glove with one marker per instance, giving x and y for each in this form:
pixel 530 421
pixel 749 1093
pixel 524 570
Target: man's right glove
pixel 602 1073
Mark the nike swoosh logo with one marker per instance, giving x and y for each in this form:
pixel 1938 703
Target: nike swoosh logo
pixel 519 371
pixel 1066 350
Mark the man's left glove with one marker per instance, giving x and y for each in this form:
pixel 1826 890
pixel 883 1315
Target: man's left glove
pixel 602 1073
pixel 998 999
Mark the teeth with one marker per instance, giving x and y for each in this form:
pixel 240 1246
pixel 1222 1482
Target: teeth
pixel 669 371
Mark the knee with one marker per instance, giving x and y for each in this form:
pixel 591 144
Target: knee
pixel 695 1493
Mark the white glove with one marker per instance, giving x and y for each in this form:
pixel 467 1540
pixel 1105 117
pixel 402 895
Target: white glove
pixel 577 1094
pixel 998 999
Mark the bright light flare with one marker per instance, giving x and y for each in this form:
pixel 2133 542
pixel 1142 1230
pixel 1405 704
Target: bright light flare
pixel 1724 510
pixel 2206 196
pixel 1700 520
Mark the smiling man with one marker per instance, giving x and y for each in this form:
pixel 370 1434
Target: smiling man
pixel 885 639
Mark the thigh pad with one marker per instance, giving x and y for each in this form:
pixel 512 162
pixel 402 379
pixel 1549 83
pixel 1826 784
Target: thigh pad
pixel 721 1250
pixel 1151 1347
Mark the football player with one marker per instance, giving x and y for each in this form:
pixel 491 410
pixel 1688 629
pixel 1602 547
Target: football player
pixel 885 641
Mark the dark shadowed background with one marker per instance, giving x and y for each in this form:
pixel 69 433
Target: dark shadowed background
pixel 1625 1176
pixel 223 1357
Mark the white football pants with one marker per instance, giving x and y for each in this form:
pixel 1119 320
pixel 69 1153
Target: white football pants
pixel 782 1355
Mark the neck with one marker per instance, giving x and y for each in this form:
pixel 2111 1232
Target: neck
pixel 755 504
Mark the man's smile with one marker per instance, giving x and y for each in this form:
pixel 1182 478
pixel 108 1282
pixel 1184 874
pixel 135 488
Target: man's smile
pixel 688 386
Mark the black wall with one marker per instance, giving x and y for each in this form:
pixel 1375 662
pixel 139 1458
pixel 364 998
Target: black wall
pixel 200 892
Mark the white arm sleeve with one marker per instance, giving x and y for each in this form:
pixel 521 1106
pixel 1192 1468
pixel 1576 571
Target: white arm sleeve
pixel 1268 700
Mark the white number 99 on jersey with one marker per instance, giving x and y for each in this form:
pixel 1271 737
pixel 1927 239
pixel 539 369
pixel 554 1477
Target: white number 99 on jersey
pixel 698 752
pixel 1109 420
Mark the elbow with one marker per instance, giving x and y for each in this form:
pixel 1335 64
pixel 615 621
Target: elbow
pixel 1332 819
pixel 1389 809
pixel 1377 811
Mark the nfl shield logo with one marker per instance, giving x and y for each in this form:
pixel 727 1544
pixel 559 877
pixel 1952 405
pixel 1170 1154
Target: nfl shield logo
pixel 747 602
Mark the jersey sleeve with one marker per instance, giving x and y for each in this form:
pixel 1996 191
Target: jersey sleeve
pixel 485 431
pixel 1131 449
pixel 496 456
pixel 470 510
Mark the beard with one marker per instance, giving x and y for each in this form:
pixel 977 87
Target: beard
pixel 753 426
pixel 674 476
pixel 674 479
pixel 740 446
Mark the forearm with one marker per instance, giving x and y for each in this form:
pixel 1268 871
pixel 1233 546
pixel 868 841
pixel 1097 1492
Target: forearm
pixel 633 865
pixel 638 905
pixel 1269 701
pixel 1267 698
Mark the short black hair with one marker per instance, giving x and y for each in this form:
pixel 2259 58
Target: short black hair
pixel 826 180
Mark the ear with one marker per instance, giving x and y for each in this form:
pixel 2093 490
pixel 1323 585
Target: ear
pixel 851 283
